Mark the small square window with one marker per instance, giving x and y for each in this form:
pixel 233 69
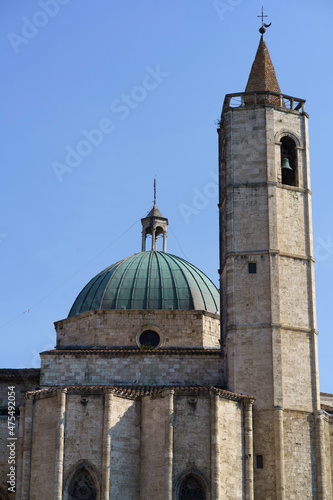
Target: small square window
pixel 252 267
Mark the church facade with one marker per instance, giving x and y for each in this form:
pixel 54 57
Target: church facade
pixel 160 386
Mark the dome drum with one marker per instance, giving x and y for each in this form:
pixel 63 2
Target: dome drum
pixel 120 328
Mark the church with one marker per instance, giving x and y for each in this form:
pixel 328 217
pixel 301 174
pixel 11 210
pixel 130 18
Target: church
pixel 160 386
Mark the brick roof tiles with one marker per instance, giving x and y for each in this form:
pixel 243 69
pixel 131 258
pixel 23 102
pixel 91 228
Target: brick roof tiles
pixel 262 76
pixel 196 351
pixel 328 409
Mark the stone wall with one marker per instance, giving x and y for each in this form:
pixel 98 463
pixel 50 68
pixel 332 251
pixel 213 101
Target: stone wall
pixel 197 446
pixel 249 359
pixel 248 146
pixel 297 380
pixel 192 435
pixel 83 443
pixel 125 449
pixel 230 438
pixel 300 455
pixel 328 440
pixel 330 455
pixel 264 444
pixel 44 444
pixel 156 440
pixel 291 224
pixel 327 404
pixel 289 455
pixel 25 379
pixel 85 435
pixel 153 452
pixel 294 293
pixel 251 292
pixel 122 327
pixel 131 368
pixel 252 230
pixel 84 430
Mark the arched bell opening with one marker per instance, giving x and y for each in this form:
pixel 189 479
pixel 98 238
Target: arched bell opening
pixel 289 161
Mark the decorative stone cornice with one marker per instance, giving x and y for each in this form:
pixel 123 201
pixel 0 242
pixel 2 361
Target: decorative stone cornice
pixel 136 392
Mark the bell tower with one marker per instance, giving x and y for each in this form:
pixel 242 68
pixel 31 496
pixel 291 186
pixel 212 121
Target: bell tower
pixel 268 314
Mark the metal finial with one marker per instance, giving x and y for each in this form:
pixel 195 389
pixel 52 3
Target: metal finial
pixel 262 30
pixel 262 15
pixel 155 191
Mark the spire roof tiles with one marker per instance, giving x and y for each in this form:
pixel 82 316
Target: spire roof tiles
pixel 262 76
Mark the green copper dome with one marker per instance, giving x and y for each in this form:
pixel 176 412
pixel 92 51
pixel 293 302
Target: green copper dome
pixel 149 280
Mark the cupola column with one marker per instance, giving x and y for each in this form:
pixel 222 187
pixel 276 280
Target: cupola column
pixel 164 241
pixel 143 246
pixel 153 239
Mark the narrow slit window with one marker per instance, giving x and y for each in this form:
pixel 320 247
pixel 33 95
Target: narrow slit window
pixel 252 267
pixel 260 461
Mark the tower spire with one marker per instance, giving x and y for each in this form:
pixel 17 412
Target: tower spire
pixel 262 75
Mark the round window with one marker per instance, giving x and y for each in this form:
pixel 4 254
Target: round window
pixel 149 338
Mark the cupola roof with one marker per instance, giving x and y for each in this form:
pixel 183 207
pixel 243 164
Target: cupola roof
pixel 149 281
pixel 154 212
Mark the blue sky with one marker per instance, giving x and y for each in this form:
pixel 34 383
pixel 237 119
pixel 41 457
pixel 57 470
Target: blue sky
pixel 144 83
